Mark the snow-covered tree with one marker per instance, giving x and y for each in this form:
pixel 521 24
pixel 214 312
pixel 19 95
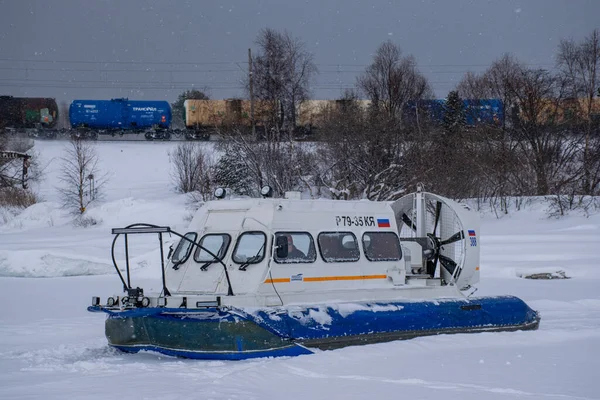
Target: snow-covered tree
pixel 282 71
pixel 231 172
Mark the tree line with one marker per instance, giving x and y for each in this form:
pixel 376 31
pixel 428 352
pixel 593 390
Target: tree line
pixel 546 144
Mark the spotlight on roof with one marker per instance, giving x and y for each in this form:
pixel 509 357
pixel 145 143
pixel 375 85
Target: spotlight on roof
pixel 220 193
pixel 266 191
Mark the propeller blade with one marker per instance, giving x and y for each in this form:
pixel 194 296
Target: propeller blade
pixel 438 209
pixel 408 222
pixel 447 263
pixel 431 264
pixel 454 238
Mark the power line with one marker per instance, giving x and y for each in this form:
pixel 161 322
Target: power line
pixel 119 62
pixel 106 69
pixel 113 70
pixel 235 63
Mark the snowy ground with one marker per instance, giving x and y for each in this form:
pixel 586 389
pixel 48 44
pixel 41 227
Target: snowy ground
pixel 52 348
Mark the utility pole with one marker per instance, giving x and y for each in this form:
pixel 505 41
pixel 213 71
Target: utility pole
pixel 250 84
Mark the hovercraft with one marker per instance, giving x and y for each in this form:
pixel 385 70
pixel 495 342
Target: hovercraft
pixel 283 277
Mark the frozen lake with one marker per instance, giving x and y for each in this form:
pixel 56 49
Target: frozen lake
pixel 52 348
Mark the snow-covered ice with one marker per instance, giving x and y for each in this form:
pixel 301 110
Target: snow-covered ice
pixel 52 348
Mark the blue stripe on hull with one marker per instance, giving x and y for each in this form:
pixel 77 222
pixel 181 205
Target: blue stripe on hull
pixel 234 334
pixel 291 351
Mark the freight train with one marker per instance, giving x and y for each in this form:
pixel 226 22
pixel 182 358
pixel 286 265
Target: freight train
pixel 154 119
pixel 204 115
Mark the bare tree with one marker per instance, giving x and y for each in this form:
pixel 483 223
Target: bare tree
pixel 497 165
pixel 191 169
pixel 282 71
pixel 283 165
pixel 579 65
pixel 533 152
pixel 540 133
pixel 82 182
pixel 473 86
pixel 362 153
pixel 499 80
pixel 392 80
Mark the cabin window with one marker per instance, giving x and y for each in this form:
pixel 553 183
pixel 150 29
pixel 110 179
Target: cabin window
pixel 381 246
pixel 215 243
pixel 250 248
pixel 338 247
pixel 301 248
pixel 184 248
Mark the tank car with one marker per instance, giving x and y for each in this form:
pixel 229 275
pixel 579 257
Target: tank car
pixel 203 117
pixel 28 112
pixel 122 115
pixel 477 111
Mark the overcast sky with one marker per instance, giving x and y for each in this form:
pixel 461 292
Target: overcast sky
pixel 151 49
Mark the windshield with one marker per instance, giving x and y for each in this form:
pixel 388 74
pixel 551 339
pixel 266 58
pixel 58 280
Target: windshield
pixel 250 248
pixel 184 247
pixel 215 243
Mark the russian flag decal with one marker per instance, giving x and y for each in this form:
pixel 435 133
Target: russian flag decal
pixel 473 238
pixel 383 223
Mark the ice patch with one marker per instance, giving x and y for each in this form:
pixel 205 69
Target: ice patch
pixel 542 273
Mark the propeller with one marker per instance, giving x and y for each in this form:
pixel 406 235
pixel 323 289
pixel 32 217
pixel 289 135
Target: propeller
pixel 439 226
pixel 437 243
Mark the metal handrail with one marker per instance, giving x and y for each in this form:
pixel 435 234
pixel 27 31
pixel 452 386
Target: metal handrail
pixel 140 228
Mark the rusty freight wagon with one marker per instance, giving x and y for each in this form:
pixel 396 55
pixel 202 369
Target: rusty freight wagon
pixel 28 112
